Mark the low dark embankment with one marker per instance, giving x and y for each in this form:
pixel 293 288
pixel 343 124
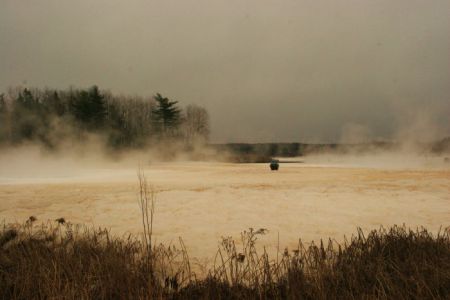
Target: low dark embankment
pixel 263 152
pixel 64 261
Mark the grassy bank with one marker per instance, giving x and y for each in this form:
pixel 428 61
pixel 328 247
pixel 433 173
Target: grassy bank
pixel 60 260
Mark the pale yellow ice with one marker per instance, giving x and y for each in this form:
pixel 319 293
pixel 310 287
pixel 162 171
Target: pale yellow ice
pixel 203 201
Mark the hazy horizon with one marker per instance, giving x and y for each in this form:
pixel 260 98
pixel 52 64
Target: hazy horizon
pixel 285 71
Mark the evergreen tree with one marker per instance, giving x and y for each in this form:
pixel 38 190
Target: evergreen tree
pixel 166 115
pixel 3 108
pixel 4 124
pixel 25 121
pixel 26 100
pixel 89 108
pixel 53 103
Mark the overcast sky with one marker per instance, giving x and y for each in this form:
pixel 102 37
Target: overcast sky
pixel 311 71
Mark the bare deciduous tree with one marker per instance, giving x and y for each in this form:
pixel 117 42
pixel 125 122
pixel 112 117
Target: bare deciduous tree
pixel 196 124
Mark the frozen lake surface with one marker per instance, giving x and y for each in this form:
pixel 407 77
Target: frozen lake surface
pixel 311 198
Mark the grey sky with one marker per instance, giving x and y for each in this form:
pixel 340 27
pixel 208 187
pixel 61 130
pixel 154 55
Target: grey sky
pixel 297 70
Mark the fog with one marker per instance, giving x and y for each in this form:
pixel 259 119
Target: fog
pixel 310 197
pixel 266 71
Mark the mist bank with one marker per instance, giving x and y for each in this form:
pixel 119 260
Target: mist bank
pixel 93 152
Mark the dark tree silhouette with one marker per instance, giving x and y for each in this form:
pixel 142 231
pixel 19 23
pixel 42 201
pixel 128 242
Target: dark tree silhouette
pixel 25 121
pixel 119 133
pixel 166 115
pixel 89 108
pixel 53 103
pixel 27 101
pixel 4 122
pixel 3 108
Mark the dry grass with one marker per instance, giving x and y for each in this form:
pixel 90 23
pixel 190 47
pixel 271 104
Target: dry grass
pixel 66 261
pixel 72 262
pixel 387 264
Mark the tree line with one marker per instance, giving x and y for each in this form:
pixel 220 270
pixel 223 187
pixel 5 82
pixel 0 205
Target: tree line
pixel 50 116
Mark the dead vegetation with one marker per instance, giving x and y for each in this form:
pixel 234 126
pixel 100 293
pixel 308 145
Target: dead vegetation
pixel 68 261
